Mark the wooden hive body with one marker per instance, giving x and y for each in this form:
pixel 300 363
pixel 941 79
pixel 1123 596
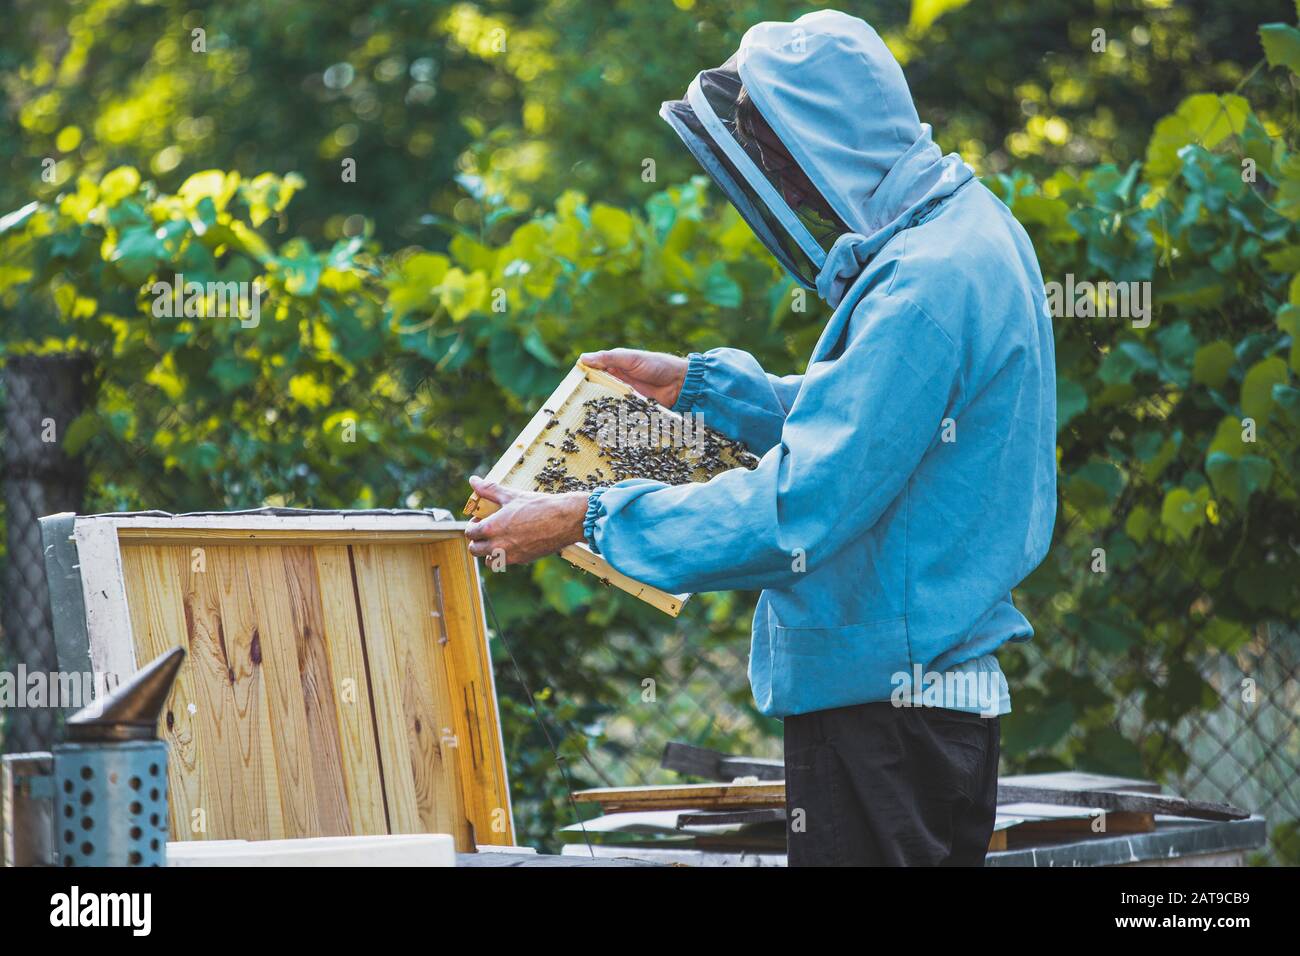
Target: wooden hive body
pixel 338 679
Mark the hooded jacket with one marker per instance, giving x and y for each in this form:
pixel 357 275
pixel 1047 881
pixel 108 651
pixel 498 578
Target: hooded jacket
pixel 907 480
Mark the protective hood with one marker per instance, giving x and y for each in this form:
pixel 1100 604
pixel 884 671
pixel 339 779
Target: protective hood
pixel 836 98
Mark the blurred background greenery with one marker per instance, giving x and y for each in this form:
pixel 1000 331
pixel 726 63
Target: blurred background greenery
pixel 504 146
pixel 533 98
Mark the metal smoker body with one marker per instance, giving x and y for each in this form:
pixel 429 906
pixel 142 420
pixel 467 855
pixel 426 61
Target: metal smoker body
pixel 110 777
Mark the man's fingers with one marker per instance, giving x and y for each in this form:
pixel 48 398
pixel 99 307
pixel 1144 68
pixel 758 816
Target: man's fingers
pixel 481 528
pixel 613 360
pixel 482 549
pixel 490 490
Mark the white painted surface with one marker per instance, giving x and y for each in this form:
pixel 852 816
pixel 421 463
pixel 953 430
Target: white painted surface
pixel 416 849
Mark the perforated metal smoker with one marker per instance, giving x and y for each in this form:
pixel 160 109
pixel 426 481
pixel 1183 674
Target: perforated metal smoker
pixel 110 777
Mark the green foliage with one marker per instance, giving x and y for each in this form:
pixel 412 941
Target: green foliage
pixel 1178 441
pixel 378 381
pixel 523 99
pixel 412 320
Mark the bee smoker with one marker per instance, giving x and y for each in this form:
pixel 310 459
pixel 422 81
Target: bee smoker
pixel 110 776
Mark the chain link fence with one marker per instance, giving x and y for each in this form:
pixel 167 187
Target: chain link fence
pixel 700 695
pixel 1246 752
pixel 41 395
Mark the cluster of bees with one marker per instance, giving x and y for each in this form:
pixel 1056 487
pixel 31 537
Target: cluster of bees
pixel 649 452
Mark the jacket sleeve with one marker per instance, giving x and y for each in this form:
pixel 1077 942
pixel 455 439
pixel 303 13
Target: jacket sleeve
pixel 857 430
pixel 734 395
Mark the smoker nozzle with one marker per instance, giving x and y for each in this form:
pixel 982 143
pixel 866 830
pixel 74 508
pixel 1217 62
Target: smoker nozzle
pixel 131 711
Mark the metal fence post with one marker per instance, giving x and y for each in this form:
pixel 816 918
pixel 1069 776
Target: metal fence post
pixel 42 394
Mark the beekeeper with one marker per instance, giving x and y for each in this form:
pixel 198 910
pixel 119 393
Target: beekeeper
pixel 907 478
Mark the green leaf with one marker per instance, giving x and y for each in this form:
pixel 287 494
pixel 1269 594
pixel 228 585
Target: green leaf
pixel 1236 479
pixel 1184 690
pixel 118 184
pixel 1206 119
pixel 1265 586
pixel 302 268
pixel 515 369
pixel 1030 727
pixel 1281 45
pixel 1200 289
pixel 411 285
pixel 1212 364
pixel 1183 511
pixel 83 428
pixel 1288 320
pixel 137 253
pixel 1107 751
pixel 463 294
pixel 1139 523
pixel 563 590
pixel 1286 259
pixel 925 12
pixel 614 225
pixel 1071 401
pixel 720 289
pixel 1109 630
pixel 213 184
pixel 232 373
pixel 1257 388
pixel 1098 483
pixel 1123 361
pixel 1288 399
pixel 536 347
pixel 1226 635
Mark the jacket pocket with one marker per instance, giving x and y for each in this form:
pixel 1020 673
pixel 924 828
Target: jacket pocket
pixel 817 668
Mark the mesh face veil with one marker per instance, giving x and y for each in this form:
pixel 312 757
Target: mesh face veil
pixel 706 122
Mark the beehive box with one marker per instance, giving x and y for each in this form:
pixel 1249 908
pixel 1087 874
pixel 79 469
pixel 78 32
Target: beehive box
pixel 337 679
pixel 588 434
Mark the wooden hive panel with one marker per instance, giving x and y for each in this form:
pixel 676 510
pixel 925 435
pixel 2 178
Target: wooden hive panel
pixel 330 688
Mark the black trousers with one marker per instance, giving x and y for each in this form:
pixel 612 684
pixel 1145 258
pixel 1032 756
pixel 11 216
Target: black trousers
pixel 879 785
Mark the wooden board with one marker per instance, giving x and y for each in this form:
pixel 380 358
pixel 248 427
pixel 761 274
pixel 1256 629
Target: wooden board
pixel 1015 824
pixel 712 765
pixel 331 687
pixel 691 796
pixel 1028 820
pixel 1078 780
pixel 525 461
pixel 722 796
pixel 1118 801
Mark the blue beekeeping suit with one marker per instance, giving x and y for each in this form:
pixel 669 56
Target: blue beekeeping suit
pixel 907 480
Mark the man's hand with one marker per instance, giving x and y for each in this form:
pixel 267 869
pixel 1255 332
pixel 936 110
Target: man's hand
pixel 530 524
pixel 656 375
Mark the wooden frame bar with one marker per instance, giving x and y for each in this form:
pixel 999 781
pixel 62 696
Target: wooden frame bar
pixel 579 555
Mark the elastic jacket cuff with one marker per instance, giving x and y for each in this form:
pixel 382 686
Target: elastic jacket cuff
pixel 589 522
pixel 693 386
